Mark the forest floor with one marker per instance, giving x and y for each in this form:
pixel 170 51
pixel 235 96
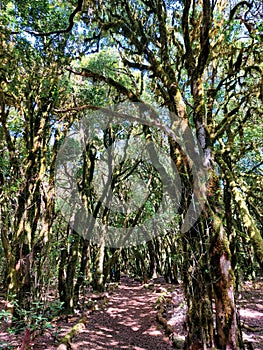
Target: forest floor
pixel 125 318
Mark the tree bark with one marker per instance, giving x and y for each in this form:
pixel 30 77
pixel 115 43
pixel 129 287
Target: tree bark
pixel 67 272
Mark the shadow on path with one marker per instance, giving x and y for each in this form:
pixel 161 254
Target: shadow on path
pixel 128 322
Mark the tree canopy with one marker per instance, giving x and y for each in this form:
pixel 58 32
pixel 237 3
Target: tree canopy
pixel 186 68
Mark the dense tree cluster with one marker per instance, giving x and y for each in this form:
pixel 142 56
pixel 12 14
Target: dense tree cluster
pixel 200 61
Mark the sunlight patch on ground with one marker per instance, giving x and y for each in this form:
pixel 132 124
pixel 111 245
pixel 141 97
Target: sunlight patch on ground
pixel 115 311
pixel 249 313
pixel 108 335
pixel 106 329
pixel 152 331
pixel 129 323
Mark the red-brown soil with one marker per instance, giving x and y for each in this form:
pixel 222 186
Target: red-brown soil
pixel 126 319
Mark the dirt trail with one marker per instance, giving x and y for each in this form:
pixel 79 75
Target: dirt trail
pixel 128 322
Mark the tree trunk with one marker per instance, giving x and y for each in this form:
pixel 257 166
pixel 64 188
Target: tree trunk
pixel 67 272
pixel 98 276
pixel 84 264
pixel 152 255
pixel 198 290
pixel 112 267
pixel 227 332
pixel 245 217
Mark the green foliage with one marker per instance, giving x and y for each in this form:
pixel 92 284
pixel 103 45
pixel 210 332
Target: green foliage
pixel 38 317
pixel 114 49
pixel 5 315
pixel 161 300
pixel 40 15
pixel 101 66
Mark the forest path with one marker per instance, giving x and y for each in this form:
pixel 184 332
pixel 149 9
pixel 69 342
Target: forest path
pixel 127 322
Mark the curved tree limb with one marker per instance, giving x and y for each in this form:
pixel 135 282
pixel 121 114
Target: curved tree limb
pixel 119 87
pixel 235 8
pixel 245 216
pixel 61 31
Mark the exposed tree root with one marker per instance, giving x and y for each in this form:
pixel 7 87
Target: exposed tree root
pixel 167 328
pixel 160 317
pixel 250 328
pixel 75 330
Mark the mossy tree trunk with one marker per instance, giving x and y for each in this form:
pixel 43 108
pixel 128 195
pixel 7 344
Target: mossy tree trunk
pixel 67 271
pixel 245 216
pixel 98 273
pixel 228 335
pixel 27 189
pixel 198 289
pixel 84 273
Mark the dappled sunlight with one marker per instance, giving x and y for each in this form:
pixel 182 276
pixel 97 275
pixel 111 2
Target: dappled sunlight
pixel 115 311
pixel 128 323
pixel 248 313
pixel 152 331
pixel 251 313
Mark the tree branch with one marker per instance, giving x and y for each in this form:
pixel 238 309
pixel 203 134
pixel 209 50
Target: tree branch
pixel 122 89
pixel 62 31
pixel 235 8
pixel 204 37
pixel 190 61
